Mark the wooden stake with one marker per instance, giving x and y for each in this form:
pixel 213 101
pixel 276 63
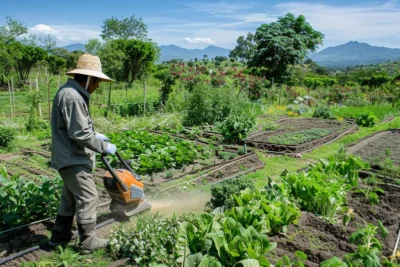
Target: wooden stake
pixel 39 109
pixel 109 101
pixel 144 100
pixel 58 84
pixel 11 106
pixel 48 98
pixel 13 94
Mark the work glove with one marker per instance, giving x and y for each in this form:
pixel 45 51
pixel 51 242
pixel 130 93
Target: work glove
pixel 102 137
pixel 111 149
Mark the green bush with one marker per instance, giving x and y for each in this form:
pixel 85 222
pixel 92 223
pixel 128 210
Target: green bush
pixel 207 105
pixel 7 136
pixel 367 120
pixel 135 108
pixel 236 127
pixel 23 201
pixel 324 113
pixel 221 193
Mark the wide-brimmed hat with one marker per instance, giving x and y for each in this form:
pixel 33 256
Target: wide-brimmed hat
pixel 90 65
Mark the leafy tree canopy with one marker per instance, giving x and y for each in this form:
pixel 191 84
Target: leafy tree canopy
pixel 245 47
pixel 93 46
pixel 283 43
pixel 11 30
pixel 125 28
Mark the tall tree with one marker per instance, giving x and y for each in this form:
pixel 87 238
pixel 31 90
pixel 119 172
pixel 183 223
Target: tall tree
pixel 125 28
pixel 93 46
pixel 283 43
pixel 29 40
pixel 245 47
pixel 12 30
pixel 25 58
pixel 126 60
pixel 48 43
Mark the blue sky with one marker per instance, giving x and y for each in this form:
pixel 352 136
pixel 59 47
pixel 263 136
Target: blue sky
pixel 197 24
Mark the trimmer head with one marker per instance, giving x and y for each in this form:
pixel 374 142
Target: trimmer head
pixel 126 191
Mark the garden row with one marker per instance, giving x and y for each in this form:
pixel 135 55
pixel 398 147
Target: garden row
pixel 345 217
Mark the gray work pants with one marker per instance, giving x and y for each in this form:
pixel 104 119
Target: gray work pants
pixel 79 194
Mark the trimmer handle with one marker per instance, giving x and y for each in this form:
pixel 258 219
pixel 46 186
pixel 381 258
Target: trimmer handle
pixel 111 170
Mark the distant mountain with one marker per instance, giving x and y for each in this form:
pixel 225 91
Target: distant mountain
pixel 74 47
pixel 354 53
pixel 169 52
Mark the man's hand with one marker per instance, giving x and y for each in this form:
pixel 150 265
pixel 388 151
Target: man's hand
pixel 102 137
pixel 111 149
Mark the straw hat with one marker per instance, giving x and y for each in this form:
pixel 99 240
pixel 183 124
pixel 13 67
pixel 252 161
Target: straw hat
pixel 91 66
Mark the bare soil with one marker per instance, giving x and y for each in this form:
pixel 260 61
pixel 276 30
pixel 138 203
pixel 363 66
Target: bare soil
pixel 260 139
pixel 377 147
pixel 321 240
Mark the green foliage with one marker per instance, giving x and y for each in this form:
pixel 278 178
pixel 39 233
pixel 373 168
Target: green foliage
pixel 322 190
pixel 134 107
pixel 380 111
pixel 300 258
pixel 153 153
pixel 93 46
pixel 168 81
pixel 126 60
pixel 25 57
pixel 11 30
pixel 283 43
pixel 236 127
pixel 23 201
pixel 56 64
pixel 221 193
pixel 323 112
pixel 367 120
pixel 374 81
pixel 207 105
pixel 7 136
pixel 245 47
pixel 151 241
pixel 124 28
pixel 300 137
pixel 319 82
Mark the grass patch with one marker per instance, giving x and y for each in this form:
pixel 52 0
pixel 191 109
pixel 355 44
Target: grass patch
pixel 381 111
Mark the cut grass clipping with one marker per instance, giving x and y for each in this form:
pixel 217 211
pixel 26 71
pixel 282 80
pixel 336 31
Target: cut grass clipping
pixel 300 137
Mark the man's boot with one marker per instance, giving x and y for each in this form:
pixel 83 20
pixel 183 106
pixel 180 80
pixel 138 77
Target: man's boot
pixel 62 233
pixel 88 239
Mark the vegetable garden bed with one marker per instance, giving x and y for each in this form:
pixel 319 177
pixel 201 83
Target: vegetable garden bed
pixel 160 158
pixel 300 135
pixel 381 150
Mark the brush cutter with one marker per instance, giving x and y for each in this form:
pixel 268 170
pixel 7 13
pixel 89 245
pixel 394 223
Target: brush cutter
pixel 125 189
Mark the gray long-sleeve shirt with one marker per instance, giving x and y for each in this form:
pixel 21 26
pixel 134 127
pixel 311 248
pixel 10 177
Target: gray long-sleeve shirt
pixel 74 140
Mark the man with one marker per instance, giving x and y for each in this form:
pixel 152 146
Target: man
pixel 74 144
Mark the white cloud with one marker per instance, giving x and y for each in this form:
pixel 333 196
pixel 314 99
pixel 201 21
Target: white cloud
pixel 66 34
pixel 373 23
pixel 220 7
pixel 43 29
pixel 198 40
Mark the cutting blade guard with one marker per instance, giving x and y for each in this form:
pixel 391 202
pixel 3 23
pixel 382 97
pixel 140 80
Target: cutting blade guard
pixel 125 189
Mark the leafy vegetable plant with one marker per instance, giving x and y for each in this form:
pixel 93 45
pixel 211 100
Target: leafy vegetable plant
pixel 367 120
pixel 300 137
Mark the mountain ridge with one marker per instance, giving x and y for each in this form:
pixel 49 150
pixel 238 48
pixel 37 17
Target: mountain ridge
pixel 354 53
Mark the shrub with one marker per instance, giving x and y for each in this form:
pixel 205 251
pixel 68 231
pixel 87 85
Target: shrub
pixel 221 193
pixel 236 127
pixel 206 105
pixel 7 136
pixel 324 113
pixel 367 120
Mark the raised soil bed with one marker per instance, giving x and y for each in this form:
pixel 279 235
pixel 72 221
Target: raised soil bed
pixel 288 126
pixel 321 240
pixel 377 148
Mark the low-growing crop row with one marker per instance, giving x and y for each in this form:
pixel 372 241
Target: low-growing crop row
pixel 299 137
pixel 151 153
pixel 236 232
pixel 23 201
